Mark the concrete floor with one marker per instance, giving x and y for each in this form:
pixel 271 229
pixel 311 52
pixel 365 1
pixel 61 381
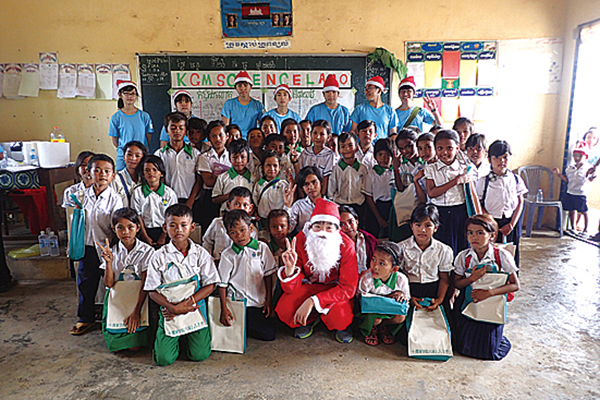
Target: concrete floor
pixel 554 326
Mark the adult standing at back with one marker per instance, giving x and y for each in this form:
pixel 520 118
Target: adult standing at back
pixel 336 114
pixel 183 104
pixel 129 123
pixel 243 111
pixel 411 115
pixel 375 110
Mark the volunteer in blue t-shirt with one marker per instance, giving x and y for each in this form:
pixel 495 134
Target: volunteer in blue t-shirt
pixel 183 104
pixel 409 115
pixel 243 111
pixel 336 114
pixel 375 110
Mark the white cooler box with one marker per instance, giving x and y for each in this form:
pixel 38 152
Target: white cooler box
pixel 53 154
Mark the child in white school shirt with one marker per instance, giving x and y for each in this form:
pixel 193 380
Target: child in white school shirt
pixel 318 155
pixel 378 185
pixel 84 177
pixel 129 177
pixel 245 269
pixel 237 175
pixel 269 191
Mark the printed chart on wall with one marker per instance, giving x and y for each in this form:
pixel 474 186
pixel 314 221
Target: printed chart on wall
pixel 460 77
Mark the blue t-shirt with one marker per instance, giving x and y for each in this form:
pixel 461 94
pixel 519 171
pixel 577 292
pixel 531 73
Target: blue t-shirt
pixel 422 116
pixel 339 117
pixel 384 117
pixel 128 128
pixel 246 117
pixel 164 136
pixel 279 118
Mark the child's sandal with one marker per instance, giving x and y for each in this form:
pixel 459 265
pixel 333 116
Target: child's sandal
pixel 386 336
pixel 372 339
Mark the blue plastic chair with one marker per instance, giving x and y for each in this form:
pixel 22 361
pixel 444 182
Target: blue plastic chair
pixel 533 176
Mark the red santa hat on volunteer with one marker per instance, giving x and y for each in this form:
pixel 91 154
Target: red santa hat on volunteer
pixel 180 92
pixel 325 211
pixel 408 82
pixel 124 83
pixel 242 76
pixel 331 84
pixel 582 148
pixel 376 81
pixel 283 87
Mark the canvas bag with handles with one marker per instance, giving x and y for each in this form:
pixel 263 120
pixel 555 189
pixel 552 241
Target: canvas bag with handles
pixel 429 333
pixel 122 298
pixel 231 339
pixel 176 292
pixel 77 238
pixel 404 202
pixel 492 309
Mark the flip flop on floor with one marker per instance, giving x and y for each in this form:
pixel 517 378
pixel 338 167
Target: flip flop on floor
pixel 81 328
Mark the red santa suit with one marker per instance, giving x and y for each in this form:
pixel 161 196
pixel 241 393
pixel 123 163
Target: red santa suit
pixel 332 294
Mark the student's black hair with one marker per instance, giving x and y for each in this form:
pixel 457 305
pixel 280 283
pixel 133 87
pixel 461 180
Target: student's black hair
pixel 267 118
pixel 255 129
pixel 463 120
pixel 152 159
pixel 384 144
pixel 240 191
pixel 277 214
pixel 306 121
pixel 120 102
pixel 426 137
pixel 214 124
pixel 499 148
pixel 237 147
pixel 436 128
pixel 406 134
pixel 392 249
pixel 275 138
pixel 591 130
pixel 270 154
pixel 476 139
pixel 230 218
pixel 305 172
pixel 197 124
pixel 230 127
pixel 180 96
pixel 138 144
pixel 447 134
pixel 179 210
pixel 79 161
pixel 289 121
pixel 423 211
pixel 345 136
pixel 415 129
pixel 348 209
pixel 367 123
pixel 100 157
pixel 175 117
pixel 127 213
pixel 486 221
pixel 324 124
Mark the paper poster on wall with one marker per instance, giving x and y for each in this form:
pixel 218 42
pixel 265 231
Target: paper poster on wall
pixel 1 78
pixel 417 70
pixel 67 81
pixel 30 81
pixel 104 81
pixel 86 81
pixel 120 73
pixel 12 81
pixel 252 18
pixel 48 71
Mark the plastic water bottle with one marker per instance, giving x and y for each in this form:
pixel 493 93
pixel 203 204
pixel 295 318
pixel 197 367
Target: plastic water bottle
pixel 44 245
pixel 56 135
pixel 54 247
pixel 33 158
pixel 540 196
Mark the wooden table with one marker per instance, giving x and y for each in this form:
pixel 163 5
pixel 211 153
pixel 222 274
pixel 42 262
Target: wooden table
pixel 48 178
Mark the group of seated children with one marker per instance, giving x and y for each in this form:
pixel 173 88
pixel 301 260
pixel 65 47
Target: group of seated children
pixel 251 196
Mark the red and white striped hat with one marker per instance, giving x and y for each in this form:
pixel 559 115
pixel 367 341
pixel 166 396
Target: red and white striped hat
pixel 582 148
pixel 377 81
pixel 283 87
pixel 242 76
pixel 181 91
pixel 325 211
pixel 122 84
pixel 331 84
pixel 409 81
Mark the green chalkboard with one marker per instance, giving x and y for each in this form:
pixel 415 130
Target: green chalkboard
pixel 154 72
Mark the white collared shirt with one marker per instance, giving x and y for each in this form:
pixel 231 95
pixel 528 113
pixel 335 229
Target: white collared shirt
pixel 197 262
pixel 424 266
pixel 502 196
pixel 379 187
pixel 347 183
pixel 151 205
pixel 213 163
pixel 123 185
pixel 255 165
pixel 442 173
pixel 368 158
pixel 272 198
pixel 579 184
pixel 216 239
pixel 483 170
pixel 506 260
pixel 179 168
pixel 78 190
pixel 300 213
pixel 367 285
pixel 98 213
pixel 323 161
pixel 137 259
pixel 361 253
pixel 230 179
pixel 246 272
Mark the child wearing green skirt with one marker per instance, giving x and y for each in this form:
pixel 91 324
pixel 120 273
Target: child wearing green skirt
pixel 125 263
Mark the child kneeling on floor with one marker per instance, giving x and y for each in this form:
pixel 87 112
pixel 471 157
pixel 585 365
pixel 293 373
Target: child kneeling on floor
pixel 383 278
pixel 181 261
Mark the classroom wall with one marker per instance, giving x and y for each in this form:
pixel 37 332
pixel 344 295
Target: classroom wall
pixel 113 31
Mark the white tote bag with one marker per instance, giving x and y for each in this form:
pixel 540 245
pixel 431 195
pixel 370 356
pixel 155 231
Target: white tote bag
pixel 429 335
pixel 404 203
pixel 492 309
pixel 231 339
pixel 176 292
pixel 122 298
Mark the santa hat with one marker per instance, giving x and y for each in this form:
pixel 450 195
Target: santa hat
pixel 377 81
pixel 242 76
pixel 123 84
pixel 581 148
pixel 325 211
pixel 283 87
pixel 409 82
pixel 331 84
pixel 181 91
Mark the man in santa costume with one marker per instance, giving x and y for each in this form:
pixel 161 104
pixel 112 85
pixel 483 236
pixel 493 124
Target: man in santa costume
pixel 319 276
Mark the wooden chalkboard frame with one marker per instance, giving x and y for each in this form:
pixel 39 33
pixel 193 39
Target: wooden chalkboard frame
pixel 154 73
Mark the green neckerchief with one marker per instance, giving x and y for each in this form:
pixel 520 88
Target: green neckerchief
pixel 273 245
pixel 343 164
pixel 253 244
pixel 261 181
pixel 186 148
pixel 233 173
pixel 380 170
pixel 391 282
pixel 160 191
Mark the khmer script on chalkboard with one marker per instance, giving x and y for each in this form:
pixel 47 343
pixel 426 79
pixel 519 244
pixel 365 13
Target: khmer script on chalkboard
pixel 252 18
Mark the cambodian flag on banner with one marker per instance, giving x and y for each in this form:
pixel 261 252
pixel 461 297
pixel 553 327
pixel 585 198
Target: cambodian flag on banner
pixel 247 18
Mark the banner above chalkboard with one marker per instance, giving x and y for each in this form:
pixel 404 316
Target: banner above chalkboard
pixel 251 18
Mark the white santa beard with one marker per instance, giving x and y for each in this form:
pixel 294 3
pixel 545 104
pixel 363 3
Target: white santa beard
pixel 323 250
